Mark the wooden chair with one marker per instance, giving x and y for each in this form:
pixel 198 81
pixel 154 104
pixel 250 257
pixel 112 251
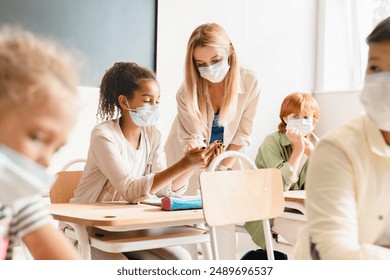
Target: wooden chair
pixel 65 185
pixel 69 179
pixel 118 242
pixel 237 196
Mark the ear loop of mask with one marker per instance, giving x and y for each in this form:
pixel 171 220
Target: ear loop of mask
pixel 127 103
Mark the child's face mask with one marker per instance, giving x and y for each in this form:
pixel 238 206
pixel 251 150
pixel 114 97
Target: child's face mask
pixel 144 116
pixel 20 177
pixel 375 98
pixel 305 126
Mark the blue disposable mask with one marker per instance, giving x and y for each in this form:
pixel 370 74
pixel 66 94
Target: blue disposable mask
pixel 305 126
pixel 20 177
pixel 144 116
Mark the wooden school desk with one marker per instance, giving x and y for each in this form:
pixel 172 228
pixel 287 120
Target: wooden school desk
pixel 120 217
pixel 295 200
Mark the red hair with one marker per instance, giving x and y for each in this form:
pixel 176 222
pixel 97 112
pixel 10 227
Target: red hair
pixel 296 103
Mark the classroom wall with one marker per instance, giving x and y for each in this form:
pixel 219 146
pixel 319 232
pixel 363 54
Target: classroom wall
pixel 274 38
pixel 101 32
pixel 78 140
pixel 337 108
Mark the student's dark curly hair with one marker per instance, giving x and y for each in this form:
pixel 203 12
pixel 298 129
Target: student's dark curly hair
pixel 123 78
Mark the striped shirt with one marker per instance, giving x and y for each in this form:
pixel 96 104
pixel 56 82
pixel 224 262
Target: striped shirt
pixel 25 216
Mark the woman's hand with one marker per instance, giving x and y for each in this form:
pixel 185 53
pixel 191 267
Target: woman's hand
pixel 219 149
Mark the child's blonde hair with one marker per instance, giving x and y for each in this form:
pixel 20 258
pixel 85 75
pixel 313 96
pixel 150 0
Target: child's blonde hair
pixel 26 64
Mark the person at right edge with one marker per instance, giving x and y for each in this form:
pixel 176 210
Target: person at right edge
pixel 348 179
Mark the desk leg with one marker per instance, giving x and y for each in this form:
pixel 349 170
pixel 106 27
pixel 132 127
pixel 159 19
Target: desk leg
pixel 83 241
pixel 225 236
pixel 206 250
pixel 214 244
pixel 206 246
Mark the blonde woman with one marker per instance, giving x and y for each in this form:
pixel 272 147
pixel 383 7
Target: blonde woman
pixel 217 100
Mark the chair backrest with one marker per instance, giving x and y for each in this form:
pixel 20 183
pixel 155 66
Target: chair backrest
pixel 65 185
pixel 238 155
pixel 238 196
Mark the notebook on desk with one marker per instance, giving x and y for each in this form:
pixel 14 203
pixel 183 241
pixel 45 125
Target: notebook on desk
pixel 153 201
pixel 176 202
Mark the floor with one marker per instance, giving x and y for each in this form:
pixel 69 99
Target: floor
pixel 245 244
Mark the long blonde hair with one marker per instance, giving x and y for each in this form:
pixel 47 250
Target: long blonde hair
pixel 212 35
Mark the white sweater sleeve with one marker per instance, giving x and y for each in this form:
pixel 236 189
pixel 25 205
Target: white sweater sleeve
pixel 106 154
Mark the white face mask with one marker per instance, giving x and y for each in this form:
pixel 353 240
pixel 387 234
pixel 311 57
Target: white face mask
pixel 215 73
pixel 144 116
pixel 305 126
pixel 20 177
pixel 375 98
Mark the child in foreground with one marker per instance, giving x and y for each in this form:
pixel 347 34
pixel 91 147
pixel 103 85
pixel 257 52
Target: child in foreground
pixel 37 111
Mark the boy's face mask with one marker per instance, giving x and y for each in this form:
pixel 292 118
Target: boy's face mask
pixel 305 126
pixel 375 98
pixel 20 177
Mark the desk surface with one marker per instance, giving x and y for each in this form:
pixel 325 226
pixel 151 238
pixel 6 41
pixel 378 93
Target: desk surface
pixel 122 214
pixel 296 196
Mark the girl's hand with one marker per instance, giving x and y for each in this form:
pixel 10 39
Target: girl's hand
pixel 200 157
pixel 196 141
pixel 296 138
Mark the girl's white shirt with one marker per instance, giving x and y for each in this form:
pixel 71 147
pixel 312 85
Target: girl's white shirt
pixel 115 170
